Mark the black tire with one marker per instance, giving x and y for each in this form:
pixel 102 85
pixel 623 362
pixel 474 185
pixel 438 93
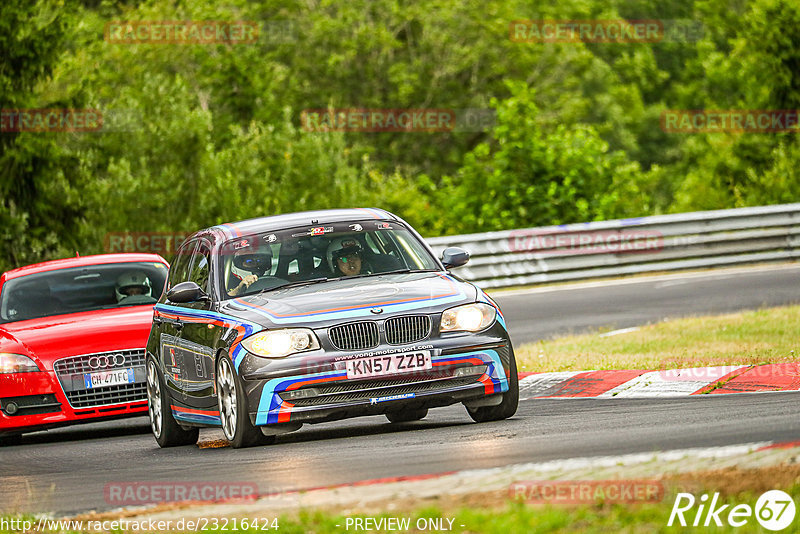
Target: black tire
pixel 404 416
pixel 166 430
pixel 234 409
pixel 10 439
pixel 508 406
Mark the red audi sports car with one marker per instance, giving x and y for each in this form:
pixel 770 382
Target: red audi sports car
pixel 72 340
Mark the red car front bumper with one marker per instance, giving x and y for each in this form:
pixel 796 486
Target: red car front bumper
pixel 35 401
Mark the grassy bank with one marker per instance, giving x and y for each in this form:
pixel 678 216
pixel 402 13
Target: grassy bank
pixel 495 512
pixel 511 517
pixel 755 337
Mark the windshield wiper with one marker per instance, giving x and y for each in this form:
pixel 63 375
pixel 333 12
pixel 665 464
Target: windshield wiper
pixel 406 270
pixel 337 278
pixel 296 283
pixel 396 271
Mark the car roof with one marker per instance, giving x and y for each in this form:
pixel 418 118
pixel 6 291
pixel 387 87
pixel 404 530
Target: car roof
pixel 290 220
pixel 80 261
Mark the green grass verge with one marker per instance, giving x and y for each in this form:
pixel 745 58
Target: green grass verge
pixel 514 517
pixel 753 337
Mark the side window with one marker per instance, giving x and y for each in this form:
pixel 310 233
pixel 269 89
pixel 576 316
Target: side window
pixel 200 268
pixel 179 271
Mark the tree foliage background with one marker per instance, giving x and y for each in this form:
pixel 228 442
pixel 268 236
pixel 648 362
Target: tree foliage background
pixel 198 134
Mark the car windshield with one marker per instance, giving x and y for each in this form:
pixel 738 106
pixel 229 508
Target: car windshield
pixel 314 254
pixel 81 289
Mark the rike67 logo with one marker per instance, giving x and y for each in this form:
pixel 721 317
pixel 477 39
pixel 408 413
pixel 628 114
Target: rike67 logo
pixel 774 510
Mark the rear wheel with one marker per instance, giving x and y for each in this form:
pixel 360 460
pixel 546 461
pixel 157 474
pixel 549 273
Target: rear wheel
pixel 234 409
pixel 166 430
pixel 508 406
pixel 404 416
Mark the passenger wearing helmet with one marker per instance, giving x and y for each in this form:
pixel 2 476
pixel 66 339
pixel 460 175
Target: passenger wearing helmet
pixel 345 257
pixel 133 287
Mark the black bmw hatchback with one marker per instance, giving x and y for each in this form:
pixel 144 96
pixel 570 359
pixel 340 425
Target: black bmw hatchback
pixel 270 323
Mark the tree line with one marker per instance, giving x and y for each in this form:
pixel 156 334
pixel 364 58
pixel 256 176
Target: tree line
pixel 196 133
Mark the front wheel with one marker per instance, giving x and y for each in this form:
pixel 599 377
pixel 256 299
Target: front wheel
pixel 508 406
pixel 234 410
pixel 166 430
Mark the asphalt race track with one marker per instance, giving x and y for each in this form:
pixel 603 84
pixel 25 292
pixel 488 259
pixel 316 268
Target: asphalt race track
pixel 624 303
pixel 66 470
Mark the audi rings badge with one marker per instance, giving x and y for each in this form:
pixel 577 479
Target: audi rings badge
pixel 106 361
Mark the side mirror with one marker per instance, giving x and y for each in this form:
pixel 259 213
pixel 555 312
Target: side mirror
pixel 454 257
pixel 186 292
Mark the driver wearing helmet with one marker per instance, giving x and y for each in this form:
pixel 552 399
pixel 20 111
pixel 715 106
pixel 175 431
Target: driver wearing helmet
pixel 258 264
pixel 345 256
pixel 133 287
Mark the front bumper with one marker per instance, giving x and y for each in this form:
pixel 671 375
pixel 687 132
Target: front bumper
pixel 460 374
pixel 36 401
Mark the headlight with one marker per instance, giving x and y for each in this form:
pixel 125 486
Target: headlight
pixel 16 363
pixel 280 343
pixel 469 318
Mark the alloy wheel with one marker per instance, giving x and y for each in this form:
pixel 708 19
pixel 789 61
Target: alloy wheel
pixel 154 399
pixel 226 390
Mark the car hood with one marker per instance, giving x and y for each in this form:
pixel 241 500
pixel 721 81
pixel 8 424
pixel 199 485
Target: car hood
pixel 351 298
pixel 51 338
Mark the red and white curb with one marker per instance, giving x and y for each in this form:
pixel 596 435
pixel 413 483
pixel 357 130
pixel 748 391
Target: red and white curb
pixel 665 383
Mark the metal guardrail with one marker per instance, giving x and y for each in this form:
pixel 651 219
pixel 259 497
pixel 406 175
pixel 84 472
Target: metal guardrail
pixel 703 239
